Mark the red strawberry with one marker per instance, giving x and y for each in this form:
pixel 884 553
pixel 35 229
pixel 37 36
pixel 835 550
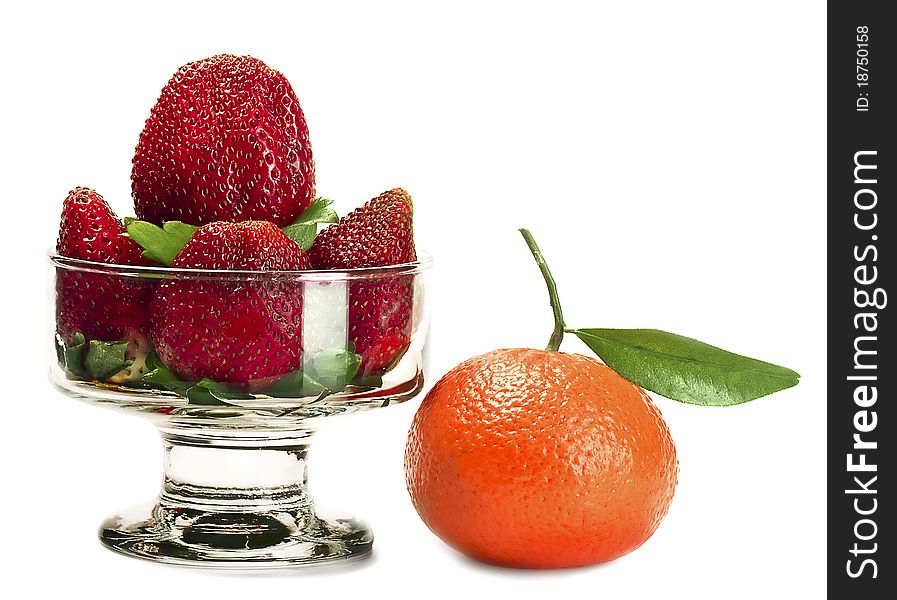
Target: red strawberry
pixel 101 307
pixel 226 141
pixel 244 332
pixel 376 235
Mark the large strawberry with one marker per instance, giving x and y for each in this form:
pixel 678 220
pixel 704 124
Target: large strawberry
pixel 105 307
pixel 241 330
pixel 226 141
pixel 375 235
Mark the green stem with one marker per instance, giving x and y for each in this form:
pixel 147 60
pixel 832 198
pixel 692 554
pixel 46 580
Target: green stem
pixel 557 335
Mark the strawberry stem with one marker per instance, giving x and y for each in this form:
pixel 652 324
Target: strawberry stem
pixel 557 335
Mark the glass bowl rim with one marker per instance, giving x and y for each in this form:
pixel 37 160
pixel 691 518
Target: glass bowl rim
pixel 424 262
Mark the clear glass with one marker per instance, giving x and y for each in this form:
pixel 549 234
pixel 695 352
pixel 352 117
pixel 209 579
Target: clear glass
pixel 237 369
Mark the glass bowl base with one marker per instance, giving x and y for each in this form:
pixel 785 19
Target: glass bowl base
pixel 173 534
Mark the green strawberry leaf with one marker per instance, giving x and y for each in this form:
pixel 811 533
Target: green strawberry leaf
pixel 304 229
pixel 296 384
pixel 73 356
pixel 105 359
pixel 334 369
pixel 318 211
pixel 161 244
pixel 304 235
pixel 330 372
pixel 160 377
pixel 685 369
pixel 367 381
pixel 223 390
pixel 203 396
pixel 153 361
pixel 207 392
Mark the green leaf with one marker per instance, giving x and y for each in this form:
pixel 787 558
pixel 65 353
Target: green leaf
pixel 304 235
pixel 318 211
pixel 74 356
pixel 685 369
pixel 223 390
pixel 304 229
pixel 153 361
pixel 161 244
pixel 105 359
pixel 334 369
pixel 369 380
pixel 160 377
pixel 203 396
pixel 331 371
pixel 207 392
pixel 296 384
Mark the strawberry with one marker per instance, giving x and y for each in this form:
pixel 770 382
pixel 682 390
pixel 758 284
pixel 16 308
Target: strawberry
pixel 100 306
pixel 246 332
pixel 375 235
pixel 226 141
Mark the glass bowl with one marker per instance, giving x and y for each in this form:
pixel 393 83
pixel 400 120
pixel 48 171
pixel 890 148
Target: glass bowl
pixel 237 369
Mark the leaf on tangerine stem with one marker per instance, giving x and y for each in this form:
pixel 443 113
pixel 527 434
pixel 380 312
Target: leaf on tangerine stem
pixel 685 369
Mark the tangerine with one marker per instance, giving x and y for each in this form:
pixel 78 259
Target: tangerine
pixel 539 459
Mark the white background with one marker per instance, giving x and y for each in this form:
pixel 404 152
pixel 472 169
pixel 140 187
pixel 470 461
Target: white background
pixel 668 156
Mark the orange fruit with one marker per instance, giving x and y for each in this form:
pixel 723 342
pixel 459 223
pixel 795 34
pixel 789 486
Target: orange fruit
pixel 531 458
